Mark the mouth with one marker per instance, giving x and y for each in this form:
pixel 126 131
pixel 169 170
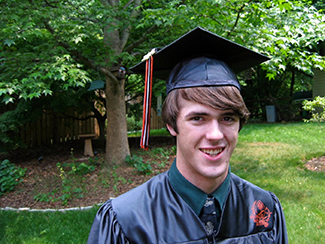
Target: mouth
pixel 212 152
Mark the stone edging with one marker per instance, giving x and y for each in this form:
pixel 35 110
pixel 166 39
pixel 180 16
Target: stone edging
pixel 48 209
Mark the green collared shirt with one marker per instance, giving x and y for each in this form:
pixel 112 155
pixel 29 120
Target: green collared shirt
pixel 192 195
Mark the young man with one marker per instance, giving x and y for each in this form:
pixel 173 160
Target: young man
pixel 198 200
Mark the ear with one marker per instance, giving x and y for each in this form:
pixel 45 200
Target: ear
pixel 171 130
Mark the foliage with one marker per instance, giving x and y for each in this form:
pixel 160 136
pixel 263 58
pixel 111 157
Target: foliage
pixel 292 38
pixel 45 43
pixel 139 164
pixel 10 176
pixel 133 123
pixel 289 32
pixel 11 121
pixel 317 109
pixel 27 111
pixel 71 175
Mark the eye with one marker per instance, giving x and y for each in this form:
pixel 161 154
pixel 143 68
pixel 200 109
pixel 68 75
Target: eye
pixel 229 119
pixel 196 118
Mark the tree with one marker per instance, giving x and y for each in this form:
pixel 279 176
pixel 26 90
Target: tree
pixel 44 42
pixel 289 32
pixel 74 42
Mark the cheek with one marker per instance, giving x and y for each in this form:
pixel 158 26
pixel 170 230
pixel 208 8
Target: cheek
pixel 234 140
pixel 232 136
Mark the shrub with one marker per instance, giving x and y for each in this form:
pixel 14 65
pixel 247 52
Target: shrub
pixel 10 176
pixel 317 109
pixel 133 124
pixel 139 164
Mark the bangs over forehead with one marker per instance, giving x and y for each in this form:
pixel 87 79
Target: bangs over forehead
pixel 217 97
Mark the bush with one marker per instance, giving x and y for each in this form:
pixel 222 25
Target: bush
pixel 317 109
pixel 133 124
pixel 130 123
pixel 139 164
pixel 10 176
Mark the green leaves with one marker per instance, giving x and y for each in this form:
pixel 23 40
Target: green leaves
pixel 292 38
pixel 139 164
pixel 9 42
pixel 317 109
pixel 10 176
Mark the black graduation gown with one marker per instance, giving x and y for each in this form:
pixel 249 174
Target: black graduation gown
pixel 155 213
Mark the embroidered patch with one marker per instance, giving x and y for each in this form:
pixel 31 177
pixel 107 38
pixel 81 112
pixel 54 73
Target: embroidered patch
pixel 260 214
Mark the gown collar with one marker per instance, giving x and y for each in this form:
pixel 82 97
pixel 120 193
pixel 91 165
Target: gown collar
pixel 192 195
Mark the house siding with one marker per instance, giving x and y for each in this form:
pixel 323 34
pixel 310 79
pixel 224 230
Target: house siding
pixel 319 83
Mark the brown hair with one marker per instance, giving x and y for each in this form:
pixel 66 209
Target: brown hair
pixel 217 97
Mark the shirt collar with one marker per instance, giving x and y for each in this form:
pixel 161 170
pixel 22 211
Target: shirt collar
pixel 192 195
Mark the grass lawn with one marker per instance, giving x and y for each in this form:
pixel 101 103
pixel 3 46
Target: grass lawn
pixel 24 227
pixel 273 157
pixel 269 155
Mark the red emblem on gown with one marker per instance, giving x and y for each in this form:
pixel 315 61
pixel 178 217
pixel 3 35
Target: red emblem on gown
pixel 260 214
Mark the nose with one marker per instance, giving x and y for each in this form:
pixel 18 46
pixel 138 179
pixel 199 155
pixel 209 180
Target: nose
pixel 214 131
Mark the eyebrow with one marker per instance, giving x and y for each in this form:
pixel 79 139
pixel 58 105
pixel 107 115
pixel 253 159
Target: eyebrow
pixel 197 113
pixel 231 113
pixel 194 114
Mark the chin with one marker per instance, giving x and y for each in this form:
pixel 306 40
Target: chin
pixel 216 172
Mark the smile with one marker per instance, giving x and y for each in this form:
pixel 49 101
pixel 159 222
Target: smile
pixel 212 152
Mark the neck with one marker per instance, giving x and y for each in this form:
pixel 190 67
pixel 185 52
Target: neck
pixel 205 184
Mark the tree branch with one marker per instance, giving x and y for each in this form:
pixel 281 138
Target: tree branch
pixel 49 4
pixel 78 56
pixel 126 32
pixel 142 39
pixel 128 4
pixel 238 16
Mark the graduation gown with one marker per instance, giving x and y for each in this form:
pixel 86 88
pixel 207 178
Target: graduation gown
pixel 155 213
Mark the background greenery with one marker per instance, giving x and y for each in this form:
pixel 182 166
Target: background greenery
pixel 50 52
pixel 269 155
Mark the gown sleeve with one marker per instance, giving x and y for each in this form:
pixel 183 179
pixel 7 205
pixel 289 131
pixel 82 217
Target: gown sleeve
pixel 105 228
pixel 280 229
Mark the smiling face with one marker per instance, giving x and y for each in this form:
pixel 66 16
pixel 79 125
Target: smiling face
pixel 206 139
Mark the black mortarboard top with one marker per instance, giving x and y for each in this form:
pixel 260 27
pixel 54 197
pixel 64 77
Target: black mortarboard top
pixel 203 59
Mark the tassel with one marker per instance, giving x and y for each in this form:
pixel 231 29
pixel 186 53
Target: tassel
pixel 147 104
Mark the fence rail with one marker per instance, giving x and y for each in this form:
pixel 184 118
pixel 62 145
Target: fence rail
pixel 53 128
pixel 57 128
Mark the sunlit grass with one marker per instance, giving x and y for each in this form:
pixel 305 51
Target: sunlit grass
pixel 273 157
pixel 156 132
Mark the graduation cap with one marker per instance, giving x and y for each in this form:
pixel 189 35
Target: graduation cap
pixel 198 58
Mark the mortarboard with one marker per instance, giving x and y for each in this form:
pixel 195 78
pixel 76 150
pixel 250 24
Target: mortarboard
pixel 200 42
pixel 198 58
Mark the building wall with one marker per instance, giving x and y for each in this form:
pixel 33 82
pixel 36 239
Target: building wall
pixel 319 83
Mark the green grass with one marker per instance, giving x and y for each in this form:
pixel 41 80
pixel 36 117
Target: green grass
pixel 273 157
pixel 45 227
pixel 156 132
pixel 269 155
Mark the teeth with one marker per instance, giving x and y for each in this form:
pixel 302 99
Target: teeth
pixel 211 152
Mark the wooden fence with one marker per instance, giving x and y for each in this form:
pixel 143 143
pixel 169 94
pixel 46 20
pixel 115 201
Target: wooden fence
pixel 156 122
pixel 56 128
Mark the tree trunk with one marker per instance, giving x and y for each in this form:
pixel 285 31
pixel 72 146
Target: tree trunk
pixel 117 146
pixel 101 123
